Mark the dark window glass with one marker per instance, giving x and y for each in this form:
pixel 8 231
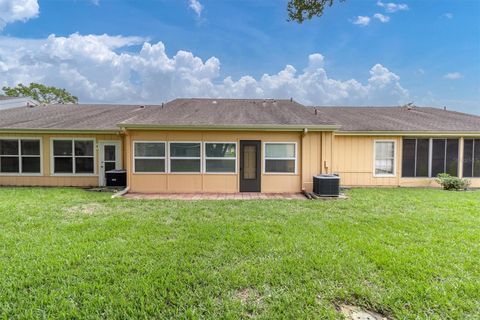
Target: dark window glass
pixel 476 159
pixel 150 149
pixel 214 165
pixel 408 158
pixel 185 165
pixel 109 166
pixel 30 147
pixel 31 165
pixel 84 165
pixel 280 166
pixel 422 157
pixel 9 165
pixel 185 149
pixel 9 147
pixel 220 150
pixel 468 158
pixel 63 165
pixel 62 148
pixel 149 165
pixel 84 148
pixel 451 161
pixel 109 153
pixel 438 157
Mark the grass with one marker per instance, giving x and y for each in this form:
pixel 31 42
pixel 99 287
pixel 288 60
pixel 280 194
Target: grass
pixel 407 253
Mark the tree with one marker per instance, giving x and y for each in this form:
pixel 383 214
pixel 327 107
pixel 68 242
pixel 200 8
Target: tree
pixel 299 10
pixel 41 93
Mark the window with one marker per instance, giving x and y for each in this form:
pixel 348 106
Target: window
pixel 149 156
pixel 415 157
pixel 220 157
pixel 444 156
pixel 20 156
pixel 384 158
pixel 280 157
pixel 471 158
pixel 429 157
pixel 72 156
pixel 185 157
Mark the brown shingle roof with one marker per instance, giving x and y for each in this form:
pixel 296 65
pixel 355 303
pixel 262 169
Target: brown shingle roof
pixel 417 119
pixel 67 117
pixel 228 112
pixel 236 112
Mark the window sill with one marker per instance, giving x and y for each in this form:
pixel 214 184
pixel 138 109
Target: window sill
pixel 74 175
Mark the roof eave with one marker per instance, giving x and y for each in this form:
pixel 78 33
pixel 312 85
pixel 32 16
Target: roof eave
pixel 69 131
pixel 260 127
pixel 410 133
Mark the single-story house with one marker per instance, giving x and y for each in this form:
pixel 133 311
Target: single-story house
pixel 235 145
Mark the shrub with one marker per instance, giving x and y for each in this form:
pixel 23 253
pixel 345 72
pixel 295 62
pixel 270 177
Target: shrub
pixel 449 182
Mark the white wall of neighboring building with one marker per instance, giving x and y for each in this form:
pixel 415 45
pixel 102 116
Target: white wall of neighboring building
pixel 14 102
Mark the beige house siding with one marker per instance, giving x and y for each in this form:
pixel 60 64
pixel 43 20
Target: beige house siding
pixel 351 156
pixel 353 160
pixel 204 182
pixel 47 178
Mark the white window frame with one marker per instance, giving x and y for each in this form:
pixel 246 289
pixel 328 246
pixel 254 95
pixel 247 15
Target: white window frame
pixel 19 139
pixel 264 155
pixel 52 158
pixel 150 158
pixel 170 158
pixel 205 158
pixel 394 174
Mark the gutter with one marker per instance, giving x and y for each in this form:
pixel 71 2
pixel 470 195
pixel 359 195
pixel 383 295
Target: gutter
pixel 260 127
pixel 70 131
pixel 410 133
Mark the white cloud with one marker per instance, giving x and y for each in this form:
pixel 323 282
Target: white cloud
pixel 381 17
pixel 448 15
pixel 362 20
pixel 196 6
pixel 97 68
pixel 453 76
pixel 392 7
pixel 17 10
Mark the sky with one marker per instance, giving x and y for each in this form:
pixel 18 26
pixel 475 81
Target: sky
pixel 360 52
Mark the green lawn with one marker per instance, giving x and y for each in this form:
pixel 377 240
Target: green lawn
pixel 407 253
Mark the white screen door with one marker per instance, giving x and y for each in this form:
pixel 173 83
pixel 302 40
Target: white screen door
pixel 110 158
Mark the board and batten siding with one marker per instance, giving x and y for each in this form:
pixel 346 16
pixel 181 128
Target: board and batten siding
pixel 353 161
pixel 222 183
pixel 47 178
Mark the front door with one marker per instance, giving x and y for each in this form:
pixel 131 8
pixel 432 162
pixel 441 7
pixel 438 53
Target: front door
pixel 110 158
pixel 250 166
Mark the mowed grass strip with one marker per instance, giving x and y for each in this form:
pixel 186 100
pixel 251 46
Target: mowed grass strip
pixel 405 253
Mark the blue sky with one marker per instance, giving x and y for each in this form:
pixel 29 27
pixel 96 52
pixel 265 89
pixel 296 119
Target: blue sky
pixel 427 52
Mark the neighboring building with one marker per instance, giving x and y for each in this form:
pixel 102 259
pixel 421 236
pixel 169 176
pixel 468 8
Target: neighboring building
pixel 15 102
pixel 230 145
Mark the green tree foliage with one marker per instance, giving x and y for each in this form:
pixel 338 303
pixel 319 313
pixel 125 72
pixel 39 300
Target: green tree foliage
pixel 41 93
pixel 300 10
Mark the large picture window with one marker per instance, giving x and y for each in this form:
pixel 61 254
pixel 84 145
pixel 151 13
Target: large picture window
pixel 280 157
pixel 185 157
pixel 429 157
pixel 384 158
pixel 20 156
pixel 220 157
pixel 73 156
pixel 471 158
pixel 149 156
